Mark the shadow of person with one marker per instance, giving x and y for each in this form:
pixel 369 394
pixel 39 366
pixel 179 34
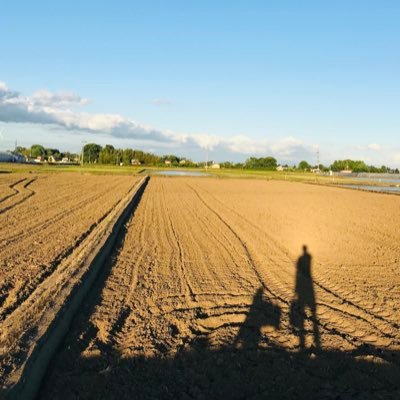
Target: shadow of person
pixel 262 313
pixel 304 298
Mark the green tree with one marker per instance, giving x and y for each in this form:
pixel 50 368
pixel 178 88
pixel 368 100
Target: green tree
pixel 37 150
pixel 23 151
pixel 354 165
pixel 127 156
pixel 268 163
pixel 107 155
pixel 304 165
pixel 53 152
pixel 91 153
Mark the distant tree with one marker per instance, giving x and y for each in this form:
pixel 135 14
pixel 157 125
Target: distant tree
pixel 70 156
pixel 353 165
pixel 108 155
pixel 304 165
pixel 91 153
pixel 23 151
pixel 118 156
pixel 384 169
pixel 226 164
pixel 323 168
pixel 127 156
pixel 268 163
pixel 53 152
pixel 172 158
pixel 146 158
pixel 37 150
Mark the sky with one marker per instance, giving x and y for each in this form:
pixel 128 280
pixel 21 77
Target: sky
pixel 233 79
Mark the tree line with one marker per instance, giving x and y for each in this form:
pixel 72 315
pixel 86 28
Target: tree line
pixel 93 153
pixel 37 150
pixel 360 166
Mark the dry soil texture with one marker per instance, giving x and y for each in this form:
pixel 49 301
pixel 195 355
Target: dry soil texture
pixel 44 221
pixel 212 295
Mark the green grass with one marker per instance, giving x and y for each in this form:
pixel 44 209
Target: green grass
pixel 278 175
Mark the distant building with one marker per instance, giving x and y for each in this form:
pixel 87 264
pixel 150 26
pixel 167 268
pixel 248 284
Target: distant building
pixel 167 162
pixel 6 156
pixel 182 162
pixel 346 171
pixel 9 157
pixel 51 160
pixel 135 162
pixel 215 166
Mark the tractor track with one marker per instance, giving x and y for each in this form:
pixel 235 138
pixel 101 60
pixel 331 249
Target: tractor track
pixel 197 298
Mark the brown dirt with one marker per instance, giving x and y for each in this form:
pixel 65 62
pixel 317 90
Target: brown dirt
pixel 203 299
pixel 48 223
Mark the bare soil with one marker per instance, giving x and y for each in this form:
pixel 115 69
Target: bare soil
pixel 243 289
pixel 47 226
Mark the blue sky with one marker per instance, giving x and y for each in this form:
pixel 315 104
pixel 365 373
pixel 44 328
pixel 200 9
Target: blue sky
pixel 239 78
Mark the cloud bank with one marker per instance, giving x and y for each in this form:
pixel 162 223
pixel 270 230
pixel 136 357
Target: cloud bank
pixel 64 111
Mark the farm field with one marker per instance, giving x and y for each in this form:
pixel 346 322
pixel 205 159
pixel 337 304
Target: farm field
pixel 47 226
pixel 242 289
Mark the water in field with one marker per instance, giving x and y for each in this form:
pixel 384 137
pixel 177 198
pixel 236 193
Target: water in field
pixel 381 189
pixel 386 180
pixel 180 173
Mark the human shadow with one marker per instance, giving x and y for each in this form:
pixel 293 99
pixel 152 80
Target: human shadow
pixel 304 299
pixel 253 364
pixel 261 313
pixel 200 370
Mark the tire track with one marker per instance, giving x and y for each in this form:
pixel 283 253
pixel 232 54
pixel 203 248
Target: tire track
pixel 12 187
pixel 325 323
pixel 25 198
pixel 52 267
pixel 37 228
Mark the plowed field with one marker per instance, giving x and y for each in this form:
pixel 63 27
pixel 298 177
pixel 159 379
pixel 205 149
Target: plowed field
pixel 44 221
pixel 243 289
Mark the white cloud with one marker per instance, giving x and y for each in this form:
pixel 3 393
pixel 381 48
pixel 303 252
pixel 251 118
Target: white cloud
pixel 62 111
pixel 374 146
pixel 369 147
pixel 396 157
pixel 3 87
pixel 46 98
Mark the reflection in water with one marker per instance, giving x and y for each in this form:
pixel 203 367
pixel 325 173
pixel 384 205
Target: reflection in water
pixel 304 298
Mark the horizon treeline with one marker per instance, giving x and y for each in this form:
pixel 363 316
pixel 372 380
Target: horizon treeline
pixel 94 153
